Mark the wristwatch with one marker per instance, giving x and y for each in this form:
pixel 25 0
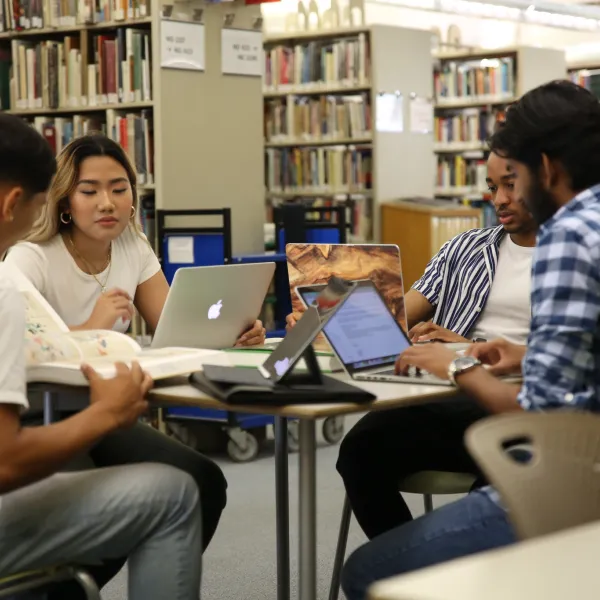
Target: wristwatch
pixel 460 365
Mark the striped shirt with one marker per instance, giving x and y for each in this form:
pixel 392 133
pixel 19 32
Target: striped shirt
pixel 458 279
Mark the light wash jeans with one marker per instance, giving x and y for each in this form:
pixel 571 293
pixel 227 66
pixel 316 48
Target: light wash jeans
pixel 147 512
pixel 472 524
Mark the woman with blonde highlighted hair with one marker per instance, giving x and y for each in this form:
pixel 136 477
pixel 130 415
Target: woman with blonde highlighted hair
pixel 89 259
pixel 86 254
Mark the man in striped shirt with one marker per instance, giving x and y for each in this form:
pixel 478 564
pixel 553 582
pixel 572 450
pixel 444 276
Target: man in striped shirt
pixel 552 143
pixel 477 286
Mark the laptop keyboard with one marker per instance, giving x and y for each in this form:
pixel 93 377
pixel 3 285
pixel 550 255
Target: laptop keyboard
pixel 387 372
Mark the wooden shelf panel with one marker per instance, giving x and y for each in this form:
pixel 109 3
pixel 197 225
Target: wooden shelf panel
pixel 49 31
pixel 316 90
pixel 292 36
pixel 321 142
pixel 314 194
pixel 474 102
pixel 74 110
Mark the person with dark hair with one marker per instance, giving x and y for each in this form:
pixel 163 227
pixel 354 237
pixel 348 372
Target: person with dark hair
pixel 149 513
pixel 551 141
pixel 87 256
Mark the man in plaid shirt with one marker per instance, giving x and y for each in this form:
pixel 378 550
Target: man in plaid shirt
pixel 551 140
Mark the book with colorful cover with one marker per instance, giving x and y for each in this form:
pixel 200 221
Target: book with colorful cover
pixel 54 354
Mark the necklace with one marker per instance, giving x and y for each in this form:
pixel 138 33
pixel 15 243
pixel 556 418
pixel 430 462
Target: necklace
pixel 91 269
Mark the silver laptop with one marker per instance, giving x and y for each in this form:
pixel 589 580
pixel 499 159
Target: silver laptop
pixel 366 338
pixel 210 307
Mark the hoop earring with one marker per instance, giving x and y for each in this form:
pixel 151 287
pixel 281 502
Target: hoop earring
pixel 132 212
pixel 65 218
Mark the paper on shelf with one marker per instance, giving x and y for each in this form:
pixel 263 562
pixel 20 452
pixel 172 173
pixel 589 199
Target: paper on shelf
pixel 180 250
pixel 421 114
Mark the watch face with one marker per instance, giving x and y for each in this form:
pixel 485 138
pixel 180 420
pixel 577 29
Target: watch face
pixel 464 362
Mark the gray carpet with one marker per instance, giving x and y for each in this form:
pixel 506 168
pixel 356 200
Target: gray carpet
pixel 240 562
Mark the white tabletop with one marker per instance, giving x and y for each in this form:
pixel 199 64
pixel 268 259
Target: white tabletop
pixel 560 566
pixel 389 395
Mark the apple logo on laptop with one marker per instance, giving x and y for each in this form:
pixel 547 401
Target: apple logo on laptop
pixel 281 366
pixel 214 312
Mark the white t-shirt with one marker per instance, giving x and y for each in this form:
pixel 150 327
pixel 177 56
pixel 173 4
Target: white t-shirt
pixel 13 386
pixel 507 313
pixel 71 292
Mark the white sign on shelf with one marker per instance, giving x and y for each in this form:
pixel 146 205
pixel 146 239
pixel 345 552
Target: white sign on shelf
pixel 241 52
pixel 182 45
pixel 180 249
pixel 421 114
pixel 390 112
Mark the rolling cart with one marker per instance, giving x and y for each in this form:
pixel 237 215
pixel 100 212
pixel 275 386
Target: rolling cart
pixel 244 433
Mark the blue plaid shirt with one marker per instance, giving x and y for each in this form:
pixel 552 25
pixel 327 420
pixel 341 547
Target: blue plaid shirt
pixel 562 365
pixel 561 368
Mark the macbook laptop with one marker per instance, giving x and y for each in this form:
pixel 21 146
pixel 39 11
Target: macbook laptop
pixel 366 338
pixel 312 264
pixel 210 307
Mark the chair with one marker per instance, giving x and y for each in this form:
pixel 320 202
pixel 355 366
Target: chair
pixel 427 483
pixel 211 245
pixel 558 485
pixel 38 580
pixel 297 223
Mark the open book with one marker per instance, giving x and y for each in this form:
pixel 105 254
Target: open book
pixel 54 354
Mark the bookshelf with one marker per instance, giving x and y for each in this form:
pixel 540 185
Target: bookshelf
pixel 323 146
pixel 473 89
pixel 586 75
pixel 73 67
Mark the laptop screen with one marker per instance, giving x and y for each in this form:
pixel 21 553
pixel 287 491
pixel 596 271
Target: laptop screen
pixel 322 307
pixel 363 332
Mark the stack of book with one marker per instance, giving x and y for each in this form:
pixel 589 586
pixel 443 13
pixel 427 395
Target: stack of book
pixel 336 169
pixel 479 80
pixel 326 118
pixel 114 68
pixel 459 173
pixel 19 15
pixel 588 79
pixel 338 62
pixel 471 126
pixel 134 132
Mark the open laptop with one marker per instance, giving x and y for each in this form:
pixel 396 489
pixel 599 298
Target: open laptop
pixel 275 381
pixel 366 338
pixel 210 307
pixel 312 264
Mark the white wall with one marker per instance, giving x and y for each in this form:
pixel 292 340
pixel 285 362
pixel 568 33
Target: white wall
pixel 476 31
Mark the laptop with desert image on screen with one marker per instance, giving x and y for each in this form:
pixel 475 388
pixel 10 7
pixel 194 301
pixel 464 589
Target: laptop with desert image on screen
pixel 312 264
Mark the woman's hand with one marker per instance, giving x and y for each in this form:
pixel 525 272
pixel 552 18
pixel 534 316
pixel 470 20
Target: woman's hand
pixel 425 332
pixel 503 357
pixel 255 336
pixel 113 305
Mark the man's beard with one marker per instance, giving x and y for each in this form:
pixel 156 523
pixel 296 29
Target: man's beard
pixel 540 202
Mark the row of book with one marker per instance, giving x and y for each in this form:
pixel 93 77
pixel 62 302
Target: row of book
pixel 18 15
pixel 588 79
pixel 114 68
pixel 336 63
pixel 470 125
pixel 134 132
pixel 481 79
pixel 325 117
pixel 327 170
pixel 460 172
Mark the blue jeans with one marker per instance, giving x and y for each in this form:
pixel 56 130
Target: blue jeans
pixel 149 513
pixel 470 525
